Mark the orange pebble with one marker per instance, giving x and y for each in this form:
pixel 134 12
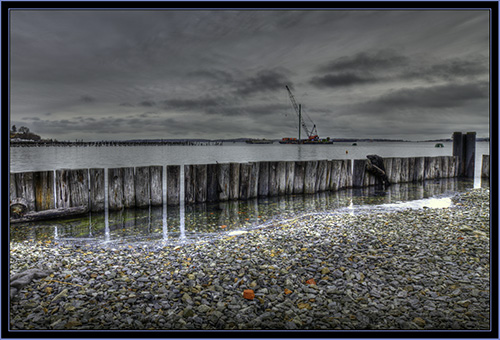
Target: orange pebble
pixel 248 294
pixel 311 282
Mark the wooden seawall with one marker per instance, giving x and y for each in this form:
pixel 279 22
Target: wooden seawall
pixel 154 185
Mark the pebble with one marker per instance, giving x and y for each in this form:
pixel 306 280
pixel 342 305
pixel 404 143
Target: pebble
pixel 409 269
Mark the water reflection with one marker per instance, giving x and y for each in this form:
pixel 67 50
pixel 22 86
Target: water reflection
pixel 160 225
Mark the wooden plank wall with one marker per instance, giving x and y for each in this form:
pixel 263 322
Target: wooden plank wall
pixel 143 186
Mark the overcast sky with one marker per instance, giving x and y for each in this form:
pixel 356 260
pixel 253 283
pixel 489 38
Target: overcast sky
pixel 96 75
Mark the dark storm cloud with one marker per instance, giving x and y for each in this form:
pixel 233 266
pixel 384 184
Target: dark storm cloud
pixel 389 66
pixel 367 61
pixel 264 81
pixel 87 99
pixel 432 97
pixel 215 75
pixel 343 79
pixel 197 104
pixel 147 103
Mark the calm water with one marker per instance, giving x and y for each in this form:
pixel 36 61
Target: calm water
pixel 156 227
pixel 160 225
pixel 52 158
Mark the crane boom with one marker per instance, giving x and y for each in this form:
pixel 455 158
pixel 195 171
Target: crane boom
pixel 297 110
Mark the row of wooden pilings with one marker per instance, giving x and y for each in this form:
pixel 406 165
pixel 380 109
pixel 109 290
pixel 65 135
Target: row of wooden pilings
pixel 143 186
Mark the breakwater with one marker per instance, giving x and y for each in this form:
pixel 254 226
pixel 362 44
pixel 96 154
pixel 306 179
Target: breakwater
pixel 155 185
pixel 51 143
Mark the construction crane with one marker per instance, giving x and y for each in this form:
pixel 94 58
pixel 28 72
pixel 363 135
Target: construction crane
pixel 311 135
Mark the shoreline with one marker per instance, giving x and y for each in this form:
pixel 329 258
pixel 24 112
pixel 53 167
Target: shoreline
pixel 411 269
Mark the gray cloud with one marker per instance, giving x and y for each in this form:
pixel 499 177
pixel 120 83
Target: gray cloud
pixel 378 61
pixel 343 79
pixel 390 66
pixel 147 103
pixel 449 70
pixel 435 97
pixel 87 99
pixel 263 82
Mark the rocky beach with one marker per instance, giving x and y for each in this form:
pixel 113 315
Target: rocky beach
pixel 416 269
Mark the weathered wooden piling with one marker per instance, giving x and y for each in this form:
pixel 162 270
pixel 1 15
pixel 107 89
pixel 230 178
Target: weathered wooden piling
pixel 485 167
pixel 458 151
pixel 405 170
pixel 142 187
pixel 298 179
pixel 347 173
pixel 173 184
pixel 97 192
pixel 273 179
pixel 263 179
pixel 234 181
pixel 245 169
pixel 223 179
pixel 464 147
pixel 115 189
pixel 128 188
pixel 470 154
pixel 199 183
pixel 281 178
pixel 321 176
pixel 212 185
pixel 395 171
pixel 156 172
pixel 43 182
pixel 445 167
pixel 253 180
pixel 63 192
pixel 359 173
pixel 12 185
pixel 430 171
pixel 310 177
pixel 419 169
pixel 290 176
pixel 189 184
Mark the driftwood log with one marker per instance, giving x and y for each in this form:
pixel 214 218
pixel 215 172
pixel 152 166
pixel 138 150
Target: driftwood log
pixel 48 214
pixel 376 166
